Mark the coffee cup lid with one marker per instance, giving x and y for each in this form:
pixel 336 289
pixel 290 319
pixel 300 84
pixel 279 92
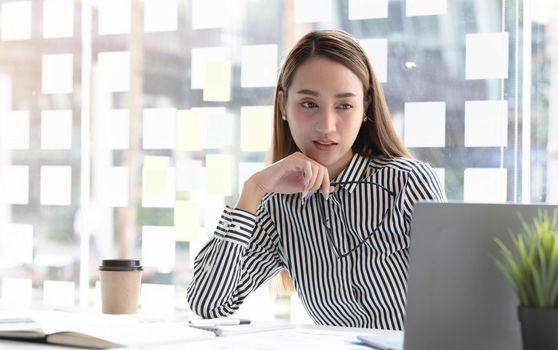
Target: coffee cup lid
pixel 120 265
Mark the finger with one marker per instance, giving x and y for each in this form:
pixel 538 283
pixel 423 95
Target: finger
pixel 313 182
pixel 325 183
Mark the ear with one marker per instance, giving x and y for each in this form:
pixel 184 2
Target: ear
pixel 281 99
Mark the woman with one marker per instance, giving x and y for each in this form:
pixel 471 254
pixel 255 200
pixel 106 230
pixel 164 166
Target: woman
pixel 344 243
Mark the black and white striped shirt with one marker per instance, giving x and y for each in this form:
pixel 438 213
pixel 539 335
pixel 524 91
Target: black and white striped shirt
pixel 364 289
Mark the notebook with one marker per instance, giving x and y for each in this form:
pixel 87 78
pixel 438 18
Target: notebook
pixel 456 297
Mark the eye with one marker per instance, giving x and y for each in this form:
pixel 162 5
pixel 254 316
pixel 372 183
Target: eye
pixel 308 104
pixel 345 106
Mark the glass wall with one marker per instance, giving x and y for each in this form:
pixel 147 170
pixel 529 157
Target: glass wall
pixel 126 126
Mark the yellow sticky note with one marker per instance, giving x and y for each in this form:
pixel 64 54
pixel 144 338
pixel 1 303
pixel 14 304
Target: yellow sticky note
pixel 155 175
pixel 255 128
pixel 188 130
pixel 217 85
pixel 219 174
pixel 187 215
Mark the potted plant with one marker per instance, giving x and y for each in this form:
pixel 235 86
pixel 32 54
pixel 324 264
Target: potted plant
pixel 532 270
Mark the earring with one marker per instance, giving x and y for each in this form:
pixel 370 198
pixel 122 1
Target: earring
pixel 284 117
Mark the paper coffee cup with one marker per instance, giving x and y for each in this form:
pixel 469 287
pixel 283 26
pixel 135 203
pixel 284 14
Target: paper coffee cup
pixel 120 285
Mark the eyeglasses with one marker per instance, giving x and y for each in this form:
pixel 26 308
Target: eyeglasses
pixel 334 220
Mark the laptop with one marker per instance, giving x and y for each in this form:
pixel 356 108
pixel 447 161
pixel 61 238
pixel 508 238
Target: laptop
pixel 456 297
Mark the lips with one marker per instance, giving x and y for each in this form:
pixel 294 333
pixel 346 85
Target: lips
pixel 325 145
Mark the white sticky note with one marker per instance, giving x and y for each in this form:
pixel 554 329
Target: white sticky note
pixel 364 9
pixel 256 127
pixel 217 85
pixel 187 220
pixel 160 15
pixel 426 7
pixel 157 298
pixel 441 173
pixel 114 186
pixel 57 74
pixel 114 16
pixel 158 247
pixel 159 128
pixel 259 66
pixel 486 55
pixel 188 175
pixel 252 306
pixel 16 293
pixel 155 175
pixel 217 127
pixel 247 169
pixel 377 52
pixel 59 293
pixel 16 20
pixel 307 11
pixel 16 245
pixel 188 130
pixel 425 124
pixel 56 129
pixel 485 185
pixel 56 185
pixel 114 71
pixel 205 15
pixel 219 174
pixel 212 209
pixel 14 184
pixel 115 125
pixel 58 18
pixel 200 58
pixel 486 123
pixel 160 191
pixel 14 130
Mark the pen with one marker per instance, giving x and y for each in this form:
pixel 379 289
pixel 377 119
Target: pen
pixel 213 322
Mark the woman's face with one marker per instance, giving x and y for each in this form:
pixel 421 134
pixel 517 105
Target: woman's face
pixel 324 111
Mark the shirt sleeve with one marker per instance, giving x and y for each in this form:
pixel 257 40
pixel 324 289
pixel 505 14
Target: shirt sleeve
pixel 422 184
pixel 241 256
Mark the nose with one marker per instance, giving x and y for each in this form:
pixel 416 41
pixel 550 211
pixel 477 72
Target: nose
pixel 326 122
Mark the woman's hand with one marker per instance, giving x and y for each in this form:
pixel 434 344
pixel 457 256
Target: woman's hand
pixel 292 174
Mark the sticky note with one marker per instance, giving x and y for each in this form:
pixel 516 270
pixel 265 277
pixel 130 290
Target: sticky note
pixel 57 74
pixel 486 55
pixel 158 247
pixel 115 124
pixel 258 66
pixel 219 174
pixel 188 130
pixel 165 199
pixel 485 185
pixel 217 127
pixel 188 175
pixel 256 125
pixel 160 15
pixel 307 11
pixel 56 185
pixel 114 186
pixel 114 16
pixel 377 52
pixel 14 133
pixel 217 86
pixel 56 129
pixel 16 245
pixel 157 298
pixel 212 209
pixel 486 123
pixel 426 7
pixel 155 175
pixel 14 184
pixel 59 293
pixel 200 58
pixel 159 128
pixel 204 14
pixel 114 71
pixel 16 293
pixel 16 20
pixel 364 9
pixel 425 124
pixel 187 220
pixel 58 18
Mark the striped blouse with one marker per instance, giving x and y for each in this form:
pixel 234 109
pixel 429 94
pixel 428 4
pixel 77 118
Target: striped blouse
pixel 366 288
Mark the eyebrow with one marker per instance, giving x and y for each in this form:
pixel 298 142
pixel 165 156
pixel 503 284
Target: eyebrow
pixel 316 94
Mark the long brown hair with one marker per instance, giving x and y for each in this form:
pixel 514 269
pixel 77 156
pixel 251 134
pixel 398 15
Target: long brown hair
pixel 377 136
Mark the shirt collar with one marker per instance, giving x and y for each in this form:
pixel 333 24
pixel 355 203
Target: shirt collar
pixel 354 171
